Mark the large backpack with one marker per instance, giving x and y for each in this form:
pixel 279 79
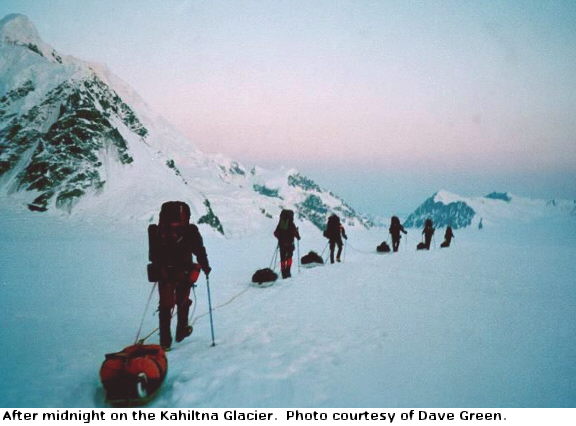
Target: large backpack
pixel 169 242
pixel 333 227
pixel 311 258
pixel 383 248
pixel 286 219
pixel 265 275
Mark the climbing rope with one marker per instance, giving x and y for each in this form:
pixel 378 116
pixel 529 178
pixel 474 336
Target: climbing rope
pixel 359 251
pixel 172 313
pixel 193 321
pixel 144 314
pixel 274 258
pixel 236 296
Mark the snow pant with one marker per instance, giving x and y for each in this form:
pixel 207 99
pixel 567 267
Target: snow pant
pixel 333 244
pixel 173 293
pixel 286 252
pixel 395 242
pixel 427 240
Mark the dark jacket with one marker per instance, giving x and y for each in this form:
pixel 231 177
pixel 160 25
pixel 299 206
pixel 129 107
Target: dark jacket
pixel 395 229
pixel 428 230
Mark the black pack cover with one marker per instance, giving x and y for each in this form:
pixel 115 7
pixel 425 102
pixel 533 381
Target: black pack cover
pixel 264 275
pixel 311 257
pixel 175 211
pixel 383 248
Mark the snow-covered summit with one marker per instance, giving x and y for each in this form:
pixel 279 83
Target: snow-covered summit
pixel 17 28
pixel 75 139
pixel 446 208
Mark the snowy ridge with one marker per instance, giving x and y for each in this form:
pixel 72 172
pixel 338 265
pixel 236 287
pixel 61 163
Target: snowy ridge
pixel 446 208
pixel 77 140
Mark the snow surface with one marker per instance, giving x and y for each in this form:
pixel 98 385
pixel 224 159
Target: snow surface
pixel 488 322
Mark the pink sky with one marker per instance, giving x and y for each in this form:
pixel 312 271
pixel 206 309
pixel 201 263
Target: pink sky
pixel 423 87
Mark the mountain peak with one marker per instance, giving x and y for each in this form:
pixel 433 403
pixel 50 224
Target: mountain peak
pixel 446 197
pixel 18 29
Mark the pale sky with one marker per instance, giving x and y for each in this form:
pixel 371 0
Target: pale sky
pixel 462 95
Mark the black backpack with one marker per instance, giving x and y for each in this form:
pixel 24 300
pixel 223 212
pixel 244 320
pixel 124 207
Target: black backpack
pixel 383 248
pixel 311 257
pixel 170 242
pixel 332 227
pixel 264 275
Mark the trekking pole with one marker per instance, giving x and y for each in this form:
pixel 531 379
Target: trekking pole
pixel 210 309
pixel 273 261
pixel 325 247
pixel 298 247
pixel 345 247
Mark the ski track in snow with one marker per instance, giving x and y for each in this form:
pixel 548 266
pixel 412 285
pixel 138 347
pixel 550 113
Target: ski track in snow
pixel 487 322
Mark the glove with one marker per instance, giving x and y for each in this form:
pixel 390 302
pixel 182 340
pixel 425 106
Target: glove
pixel 206 270
pixel 345 237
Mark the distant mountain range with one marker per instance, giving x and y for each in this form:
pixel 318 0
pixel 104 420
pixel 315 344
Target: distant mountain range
pixel 445 208
pixel 76 140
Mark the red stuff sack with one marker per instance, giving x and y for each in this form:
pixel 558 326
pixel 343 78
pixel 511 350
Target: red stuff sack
pixel 133 375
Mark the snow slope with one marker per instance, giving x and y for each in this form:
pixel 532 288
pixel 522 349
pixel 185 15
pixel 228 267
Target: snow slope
pixel 488 322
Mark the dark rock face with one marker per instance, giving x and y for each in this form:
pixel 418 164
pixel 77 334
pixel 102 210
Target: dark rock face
pixel 499 196
pixel 456 214
pixel 55 147
pixel 315 210
pixel 211 219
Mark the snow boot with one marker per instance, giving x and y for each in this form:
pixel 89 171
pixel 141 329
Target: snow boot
pixel 183 330
pixel 165 333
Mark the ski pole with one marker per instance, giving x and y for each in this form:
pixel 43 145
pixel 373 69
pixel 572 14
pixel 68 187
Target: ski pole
pixel 273 261
pixel 298 246
pixel 210 309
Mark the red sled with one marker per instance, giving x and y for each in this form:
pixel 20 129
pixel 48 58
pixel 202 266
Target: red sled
pixel 133 376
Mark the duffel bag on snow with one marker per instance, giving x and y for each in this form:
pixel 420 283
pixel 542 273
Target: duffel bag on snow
pixel 311 257
pixel 383 248
pixel 133 375
pixel 264 275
